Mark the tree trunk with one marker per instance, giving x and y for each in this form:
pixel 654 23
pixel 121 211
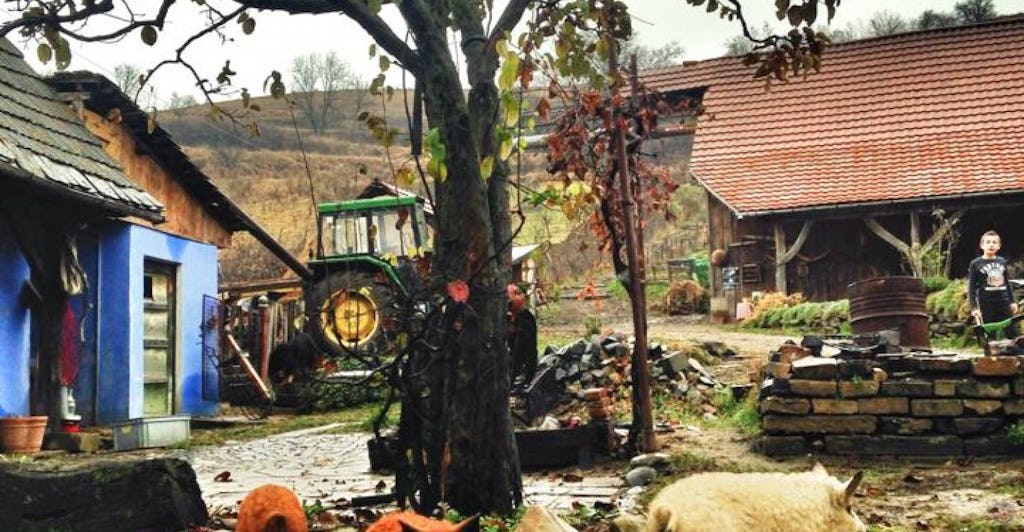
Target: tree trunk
pixel 108 495
pixel 479 465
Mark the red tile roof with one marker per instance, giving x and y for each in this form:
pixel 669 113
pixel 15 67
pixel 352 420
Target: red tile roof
pixel 921 115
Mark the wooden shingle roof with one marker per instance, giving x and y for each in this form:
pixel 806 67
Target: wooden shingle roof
pixel 924 115
pixel 44 144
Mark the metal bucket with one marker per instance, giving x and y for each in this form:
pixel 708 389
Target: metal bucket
pixel 890 303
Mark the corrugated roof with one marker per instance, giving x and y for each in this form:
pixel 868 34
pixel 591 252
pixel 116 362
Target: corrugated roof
pixel 45 143
pixel 936 113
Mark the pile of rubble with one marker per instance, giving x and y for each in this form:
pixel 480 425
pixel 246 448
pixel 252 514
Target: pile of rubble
pixel 565 373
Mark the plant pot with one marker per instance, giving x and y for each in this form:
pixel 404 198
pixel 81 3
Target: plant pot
pixel 22 434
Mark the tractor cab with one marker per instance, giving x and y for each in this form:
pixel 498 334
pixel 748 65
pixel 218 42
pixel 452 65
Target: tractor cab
pixel 368 253
pixel 383 227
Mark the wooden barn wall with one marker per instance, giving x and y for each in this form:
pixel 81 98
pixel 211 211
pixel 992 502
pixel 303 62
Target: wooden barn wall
pixel 185 215
pixel 836 253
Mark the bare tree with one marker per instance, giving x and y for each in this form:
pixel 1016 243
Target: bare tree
pixel 886 22
pixel 648 57
pixel 974 11
pixel 317 78
pixel 740 44
pixel 360 96
pixel 128 78
pixel 177 102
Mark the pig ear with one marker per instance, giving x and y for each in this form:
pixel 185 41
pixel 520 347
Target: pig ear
pixel 818 468
pixel 851 486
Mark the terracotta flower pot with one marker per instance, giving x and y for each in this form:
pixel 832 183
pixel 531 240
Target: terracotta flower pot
pixel 22 434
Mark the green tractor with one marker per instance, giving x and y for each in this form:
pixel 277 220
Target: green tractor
pixel 371 251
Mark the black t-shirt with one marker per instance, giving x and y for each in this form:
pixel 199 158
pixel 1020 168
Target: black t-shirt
pixel 987 283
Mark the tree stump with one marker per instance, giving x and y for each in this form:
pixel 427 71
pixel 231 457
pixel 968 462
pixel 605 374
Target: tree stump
pixel 160 494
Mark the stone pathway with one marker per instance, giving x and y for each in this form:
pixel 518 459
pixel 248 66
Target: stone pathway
pixel 334 468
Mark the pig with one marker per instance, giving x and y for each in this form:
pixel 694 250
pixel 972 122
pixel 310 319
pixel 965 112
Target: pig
pixel 812 501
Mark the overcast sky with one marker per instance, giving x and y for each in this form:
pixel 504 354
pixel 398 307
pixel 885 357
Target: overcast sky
pixel 279 38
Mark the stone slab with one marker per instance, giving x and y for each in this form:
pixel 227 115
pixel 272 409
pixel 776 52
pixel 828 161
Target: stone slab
pixel 904 425
pixel 819 424
pixel 780 445
pixel 883 405
pixel 936 407
pixel 895 445
pixel 994 445
pixel 907 388
pixel 815 368
pixel 1004 366
pixel 812 388
pixel 977 388
pixel 785 405
pixel 982 407
pixel 858 388
pixel 833 406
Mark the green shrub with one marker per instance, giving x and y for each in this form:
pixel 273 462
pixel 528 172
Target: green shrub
pixel 935 283
pixel 950 303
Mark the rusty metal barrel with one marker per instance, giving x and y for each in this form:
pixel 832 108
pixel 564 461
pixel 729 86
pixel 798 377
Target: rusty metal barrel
pixel 887 303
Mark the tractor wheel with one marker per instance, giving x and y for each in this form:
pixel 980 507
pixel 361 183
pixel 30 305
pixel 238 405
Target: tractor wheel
pixel 347 313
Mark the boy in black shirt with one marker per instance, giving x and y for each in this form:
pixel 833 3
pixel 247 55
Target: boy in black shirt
pixel 988 290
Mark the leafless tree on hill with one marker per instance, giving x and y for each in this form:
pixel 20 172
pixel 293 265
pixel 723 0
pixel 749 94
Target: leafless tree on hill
pixel 886 22
pixel 317 79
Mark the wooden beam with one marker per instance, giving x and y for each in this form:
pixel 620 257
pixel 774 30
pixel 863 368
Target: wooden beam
pixel 884 234
pixel 783 255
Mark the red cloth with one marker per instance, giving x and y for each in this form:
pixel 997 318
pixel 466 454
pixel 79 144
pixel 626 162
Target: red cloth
pixel 70 347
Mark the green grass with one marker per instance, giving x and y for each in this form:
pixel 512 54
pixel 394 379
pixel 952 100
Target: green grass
pixel 354 419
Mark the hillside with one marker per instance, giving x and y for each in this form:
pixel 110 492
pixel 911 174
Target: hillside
pixel 266 176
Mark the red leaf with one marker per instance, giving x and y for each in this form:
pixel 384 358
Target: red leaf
pixel 458 291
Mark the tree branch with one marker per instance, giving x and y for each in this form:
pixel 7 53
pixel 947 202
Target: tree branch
pixel 511 16
pixel 357 11
pixel 55 18
pixel 158 21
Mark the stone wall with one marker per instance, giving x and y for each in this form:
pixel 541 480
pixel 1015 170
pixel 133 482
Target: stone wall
pixel 910 404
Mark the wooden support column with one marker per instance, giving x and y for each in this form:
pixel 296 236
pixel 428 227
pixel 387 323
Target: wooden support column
pixel 915 251
pixel 783 255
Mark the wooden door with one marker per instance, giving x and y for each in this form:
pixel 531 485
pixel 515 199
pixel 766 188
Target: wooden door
pixel 159 360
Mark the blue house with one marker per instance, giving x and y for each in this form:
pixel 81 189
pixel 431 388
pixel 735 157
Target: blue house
pixel 109 239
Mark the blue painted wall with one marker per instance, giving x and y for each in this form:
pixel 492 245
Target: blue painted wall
pixel 14 328
pixel 122 255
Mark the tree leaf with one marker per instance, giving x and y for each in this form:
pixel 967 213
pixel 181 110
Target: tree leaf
pixel 795 14
pixel 373 50
pixel 149 35
pixel 249 26
pixel 405 177
pixel 509 72
pixel 385 62
pixel 44 52
pixel 62 53
pixel 487 167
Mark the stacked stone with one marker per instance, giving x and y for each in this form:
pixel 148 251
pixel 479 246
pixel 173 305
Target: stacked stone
pixel 914 404
pixel 598 403
pixel 564 373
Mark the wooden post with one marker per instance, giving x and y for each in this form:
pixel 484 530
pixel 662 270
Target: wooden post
pixel 780 263
pixel 642 417
pixel 783 255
